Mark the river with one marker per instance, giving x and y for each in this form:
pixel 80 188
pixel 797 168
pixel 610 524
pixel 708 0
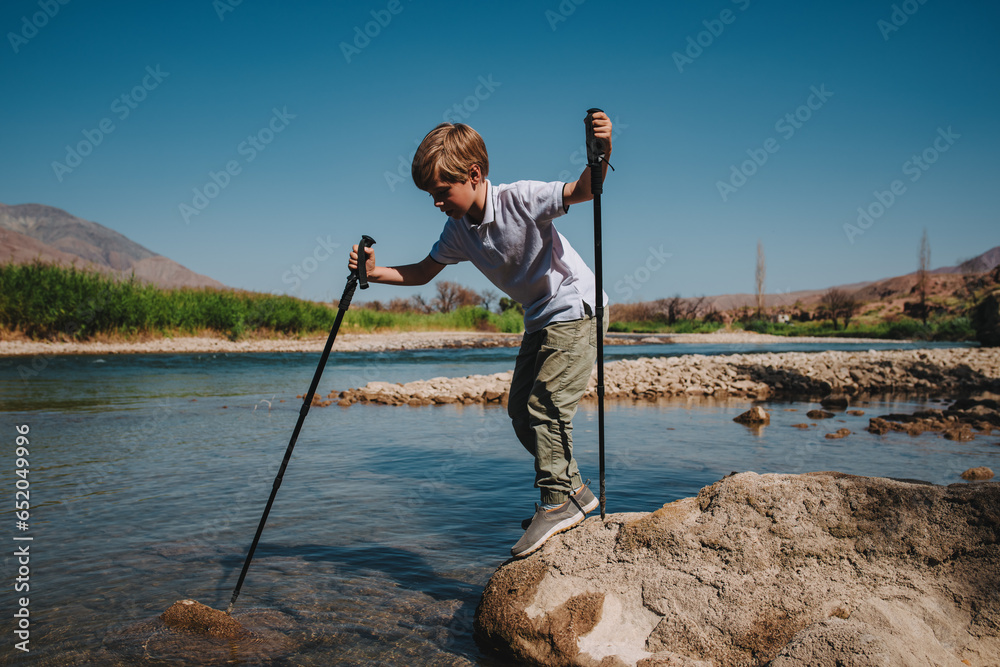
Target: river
pixel 148 474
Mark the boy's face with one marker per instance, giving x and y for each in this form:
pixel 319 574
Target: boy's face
pixel 455 199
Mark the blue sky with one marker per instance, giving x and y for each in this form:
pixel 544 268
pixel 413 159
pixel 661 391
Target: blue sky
pixel 736 122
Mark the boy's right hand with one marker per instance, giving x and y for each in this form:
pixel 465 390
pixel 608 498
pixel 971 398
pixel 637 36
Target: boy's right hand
pixel 352 262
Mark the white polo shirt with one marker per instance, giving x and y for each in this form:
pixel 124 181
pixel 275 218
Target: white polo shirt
pixel 519 249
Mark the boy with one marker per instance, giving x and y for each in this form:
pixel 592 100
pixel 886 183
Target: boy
pixel 506 231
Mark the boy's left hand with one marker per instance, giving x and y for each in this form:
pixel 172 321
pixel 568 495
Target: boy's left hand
pixel 579 191
pixel 602 129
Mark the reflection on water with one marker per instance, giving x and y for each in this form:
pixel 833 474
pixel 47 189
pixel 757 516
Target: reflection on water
pixel 148 476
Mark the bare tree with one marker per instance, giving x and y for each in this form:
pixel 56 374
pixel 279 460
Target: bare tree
pixel 487 298
pixel 923 266
pixel 671 308
pixel 420 305
pixel 400 305
pixel 837 303
pixel 848 308
pixel 451 295
pixel 761 273
pixel 692 307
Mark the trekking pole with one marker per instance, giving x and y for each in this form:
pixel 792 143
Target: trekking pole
pixel 357 276
pixel 595 155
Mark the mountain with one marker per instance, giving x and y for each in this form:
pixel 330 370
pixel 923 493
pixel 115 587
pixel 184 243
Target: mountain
pixel 34 231
pixel 988 261
pixel 946 279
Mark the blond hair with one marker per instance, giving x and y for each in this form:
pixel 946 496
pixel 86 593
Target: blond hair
pixel 448 153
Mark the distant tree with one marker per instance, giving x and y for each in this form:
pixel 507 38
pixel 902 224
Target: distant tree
pixel 671 308
pixel 923 267
pixel 400 305
pixel 419 304
pixel 761 273
pixel 509 304
pixel 836 304
pixel 848 309
pixel 487 298
pixel 451 295
pixel 693 306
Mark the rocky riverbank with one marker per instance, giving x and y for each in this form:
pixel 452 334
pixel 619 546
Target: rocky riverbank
pixel 957 422
pixel 932 372
pixel 346 342
pixel 357 342
pixel 815 569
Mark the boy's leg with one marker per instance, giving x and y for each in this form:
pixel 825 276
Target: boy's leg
pixel 557 362
pixel 520 389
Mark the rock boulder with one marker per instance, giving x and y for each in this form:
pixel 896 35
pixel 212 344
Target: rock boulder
pixel 781 570
pixel 755 416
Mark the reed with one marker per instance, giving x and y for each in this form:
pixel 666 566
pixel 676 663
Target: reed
pixel 57 303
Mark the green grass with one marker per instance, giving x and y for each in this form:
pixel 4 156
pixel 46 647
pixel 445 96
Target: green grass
pixel 941 329
pixel 653 326
pixel 469 318
pixel 54 302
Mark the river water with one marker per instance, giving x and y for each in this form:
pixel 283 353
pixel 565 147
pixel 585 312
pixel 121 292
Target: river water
pixel 148 475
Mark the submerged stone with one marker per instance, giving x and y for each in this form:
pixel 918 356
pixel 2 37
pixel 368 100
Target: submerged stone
pixel 191 616
pixel 193 633
pixel 755 416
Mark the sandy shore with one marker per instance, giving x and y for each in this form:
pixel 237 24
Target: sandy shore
pixel 354 342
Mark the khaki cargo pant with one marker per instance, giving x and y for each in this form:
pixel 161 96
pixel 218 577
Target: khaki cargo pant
pixel 551 373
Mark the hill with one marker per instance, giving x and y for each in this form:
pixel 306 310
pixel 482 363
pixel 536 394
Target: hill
pixel 33 231
pixel 891 294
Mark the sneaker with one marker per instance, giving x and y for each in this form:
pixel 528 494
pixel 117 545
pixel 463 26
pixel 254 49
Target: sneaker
pixel 547 523
pixel 585 498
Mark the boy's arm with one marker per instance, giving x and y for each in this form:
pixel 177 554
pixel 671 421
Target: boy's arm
pixel 579 192
pixel 420 273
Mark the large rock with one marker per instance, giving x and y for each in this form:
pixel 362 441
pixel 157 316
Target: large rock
pixel 819 569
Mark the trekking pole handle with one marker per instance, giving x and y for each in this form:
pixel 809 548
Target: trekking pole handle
pixel 366 242
pixel 595 154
